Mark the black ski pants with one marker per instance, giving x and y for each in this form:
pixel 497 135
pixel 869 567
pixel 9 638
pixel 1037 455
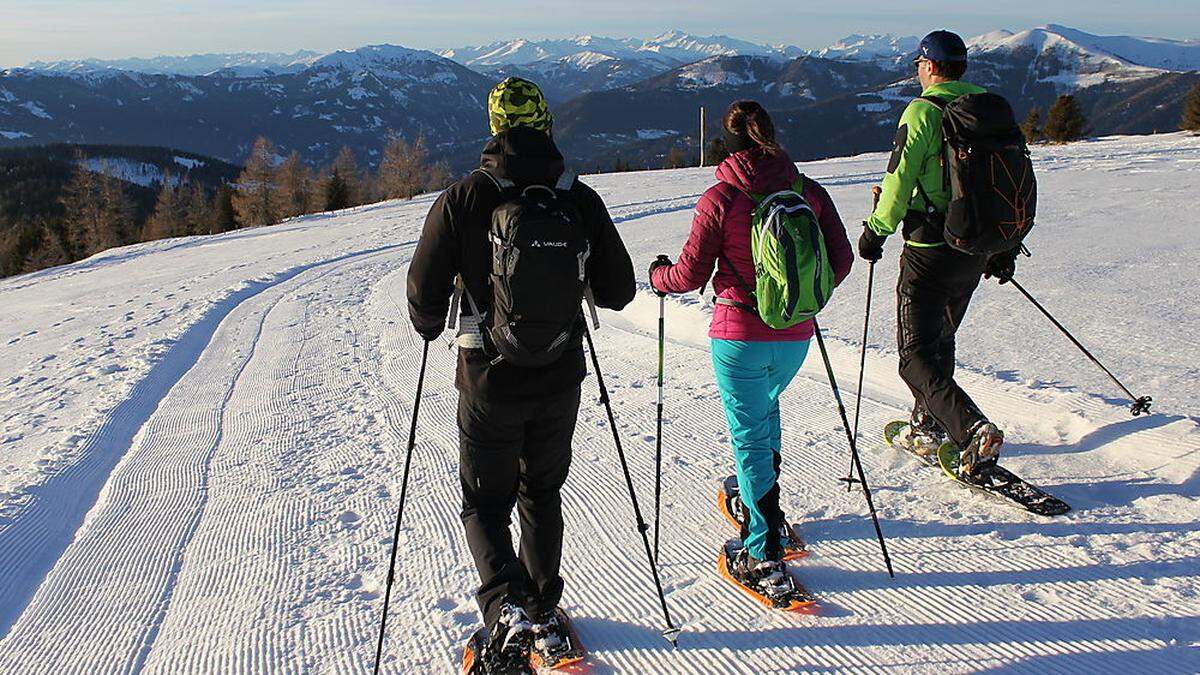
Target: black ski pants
pixel 932 294
pixel 515 454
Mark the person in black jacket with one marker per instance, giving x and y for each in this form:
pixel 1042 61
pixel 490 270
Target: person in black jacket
pixel 515 424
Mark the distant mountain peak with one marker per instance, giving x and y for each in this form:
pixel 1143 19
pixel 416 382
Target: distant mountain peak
pixel 382 54
pixel 1115 50
pixel 859 47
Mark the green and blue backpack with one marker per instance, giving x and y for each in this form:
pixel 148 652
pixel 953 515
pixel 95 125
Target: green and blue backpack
pixel 793 277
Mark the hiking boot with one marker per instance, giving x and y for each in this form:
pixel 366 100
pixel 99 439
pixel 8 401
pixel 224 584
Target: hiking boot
pixel 507 652
pixel 553 641
pixel 982 451
pixel 923 435
pixel 767 577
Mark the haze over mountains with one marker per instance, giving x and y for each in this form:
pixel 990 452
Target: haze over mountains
pixel 627 98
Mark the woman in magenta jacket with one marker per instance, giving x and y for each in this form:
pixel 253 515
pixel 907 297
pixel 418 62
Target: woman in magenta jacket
pixel 753 362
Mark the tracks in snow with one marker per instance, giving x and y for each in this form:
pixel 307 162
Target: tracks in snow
pixel 240 519
pixel 150 506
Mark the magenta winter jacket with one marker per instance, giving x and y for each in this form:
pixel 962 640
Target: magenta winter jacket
pixel 721 236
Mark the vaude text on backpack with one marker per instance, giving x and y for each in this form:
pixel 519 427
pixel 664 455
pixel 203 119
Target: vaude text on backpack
pixel 987 169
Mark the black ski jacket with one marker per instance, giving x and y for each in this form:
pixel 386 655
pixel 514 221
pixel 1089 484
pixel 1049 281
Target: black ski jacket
pixel 455 242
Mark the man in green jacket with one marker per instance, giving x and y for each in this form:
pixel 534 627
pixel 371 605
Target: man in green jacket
pixel 936 281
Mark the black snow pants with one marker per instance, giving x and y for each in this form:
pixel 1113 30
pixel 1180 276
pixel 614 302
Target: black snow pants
pixel 932 294
pixel 518 454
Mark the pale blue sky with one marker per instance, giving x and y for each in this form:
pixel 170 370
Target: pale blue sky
pixel 58 29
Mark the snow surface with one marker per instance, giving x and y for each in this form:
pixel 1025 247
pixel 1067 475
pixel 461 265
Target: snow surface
pixel 132 170
pixel 201 442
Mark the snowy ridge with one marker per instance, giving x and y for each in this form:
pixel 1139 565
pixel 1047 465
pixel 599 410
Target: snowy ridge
pixel 201 443
pixel 241 64
pixel 671 47
pixel 868 47
pixel 1158 53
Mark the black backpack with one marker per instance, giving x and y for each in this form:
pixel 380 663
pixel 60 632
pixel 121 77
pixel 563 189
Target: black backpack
pixel 988 172
pixel 540 250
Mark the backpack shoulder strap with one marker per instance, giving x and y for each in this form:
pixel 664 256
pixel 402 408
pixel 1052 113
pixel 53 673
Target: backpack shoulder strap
pixel 566 181
pixel 800 187
pixel 501 184
pixel 940 104
pixel 935 101
pixel 737 275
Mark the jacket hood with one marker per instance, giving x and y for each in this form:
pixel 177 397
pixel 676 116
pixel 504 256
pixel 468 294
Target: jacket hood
pixel 755 172
pixel 524 156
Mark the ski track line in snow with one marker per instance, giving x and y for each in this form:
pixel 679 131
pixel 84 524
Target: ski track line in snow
pixel 36 537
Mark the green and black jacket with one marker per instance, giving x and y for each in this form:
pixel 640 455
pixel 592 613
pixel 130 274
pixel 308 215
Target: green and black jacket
pixel 916 161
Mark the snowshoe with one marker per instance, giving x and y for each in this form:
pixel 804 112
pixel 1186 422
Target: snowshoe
pixel 505 650
pixel 767 581
pixel 729 501
pixel 920 436
pixel 996 480
pixel 556 645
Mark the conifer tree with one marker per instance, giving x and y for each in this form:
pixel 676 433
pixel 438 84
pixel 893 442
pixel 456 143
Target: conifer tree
pixel 97 212
pixel 48 251
pixel 254 199
pixel 198 211
pixel 82 211
pixel 676 158
pixel 1032 126
pixel 1065 121
pixel 350 177
pixel 404 170
pixel 440 177
pixel 716 152
pixel 293 188
pixel 334 190
pixel 1191 111
pixel 169 218
pixel 119 210
pixel 224 216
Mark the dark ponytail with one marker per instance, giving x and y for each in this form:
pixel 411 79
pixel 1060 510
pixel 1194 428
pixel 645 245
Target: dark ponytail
pixel 747 125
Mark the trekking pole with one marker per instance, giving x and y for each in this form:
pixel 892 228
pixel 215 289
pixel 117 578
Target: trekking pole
pixel 662 314
pixel 862 369
pixel 1139 405
pixel 671 633
pixel 862 478
pixel 850 480
pixel 412 440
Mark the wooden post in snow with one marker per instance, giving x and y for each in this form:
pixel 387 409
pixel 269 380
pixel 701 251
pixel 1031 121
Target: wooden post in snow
pixel 701 135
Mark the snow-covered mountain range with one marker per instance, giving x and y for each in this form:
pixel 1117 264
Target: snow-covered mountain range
pixel 671 47
pixel 244 64
pixel 844 93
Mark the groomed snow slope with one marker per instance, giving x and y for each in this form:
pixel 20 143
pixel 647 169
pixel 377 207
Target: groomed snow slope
pixel 201 442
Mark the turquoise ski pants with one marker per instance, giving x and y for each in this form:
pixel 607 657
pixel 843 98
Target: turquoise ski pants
pixel 751 377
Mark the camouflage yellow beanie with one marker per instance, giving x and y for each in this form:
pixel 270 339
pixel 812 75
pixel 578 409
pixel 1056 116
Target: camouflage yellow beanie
pixel 518 103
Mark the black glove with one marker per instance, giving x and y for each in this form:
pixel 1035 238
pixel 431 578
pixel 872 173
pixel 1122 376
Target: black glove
pixel 870 245
pixel 660 261
pixel 1002 266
